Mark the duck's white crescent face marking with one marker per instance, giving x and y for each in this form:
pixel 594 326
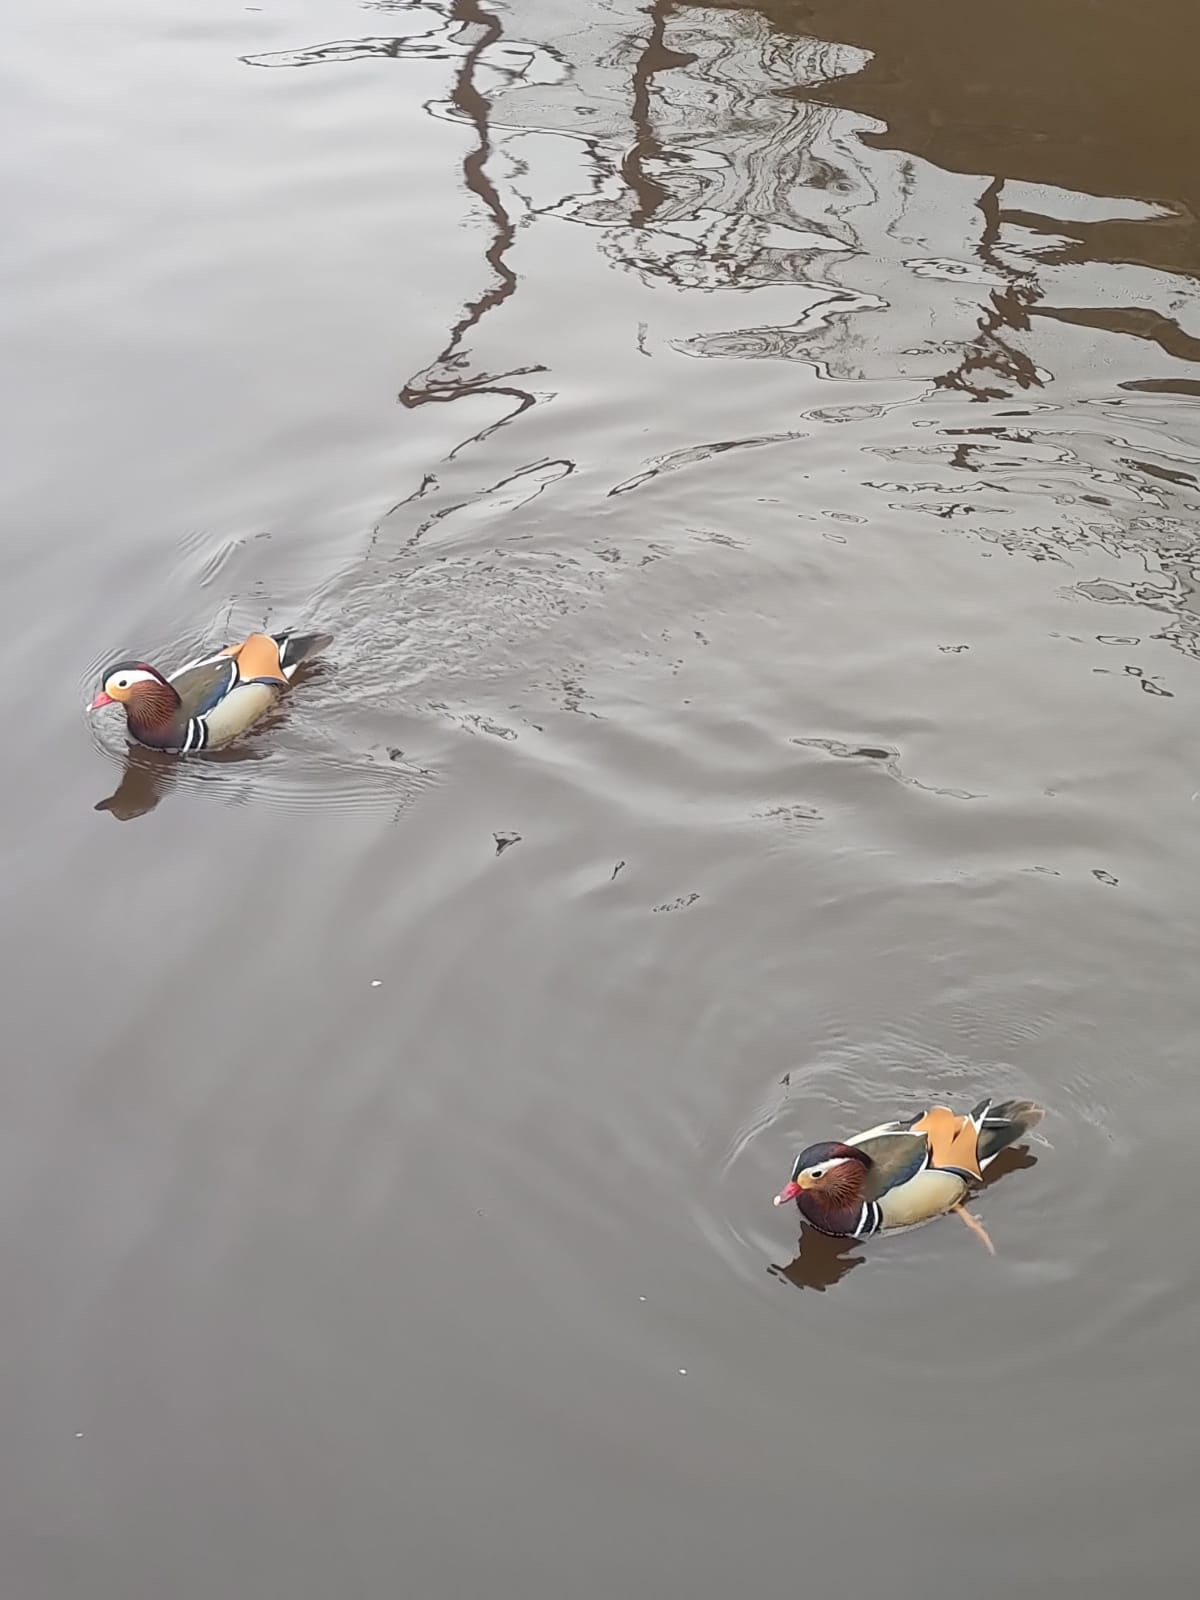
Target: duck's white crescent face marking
pixel 126 678
pixel 822 1167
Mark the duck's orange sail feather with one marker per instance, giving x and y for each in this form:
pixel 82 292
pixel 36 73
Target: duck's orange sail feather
pixel 953 1140
pixel 258 657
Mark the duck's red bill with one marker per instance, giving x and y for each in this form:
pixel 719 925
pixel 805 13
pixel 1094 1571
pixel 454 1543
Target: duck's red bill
pixel 790 1193
pixel 102 699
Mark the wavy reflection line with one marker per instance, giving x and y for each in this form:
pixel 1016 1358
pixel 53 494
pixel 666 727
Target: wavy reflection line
pixel 441 381
pixel 784 342
pixel 1010 307
pixel 1135 322
pixel 432 42
pixel 468 31
pixel 1167 242
pixel 529 482
pixel 700 452
pixel 318 55
pixel 709 201
pixel 655 56
pixel 1181 386
pixel 889 760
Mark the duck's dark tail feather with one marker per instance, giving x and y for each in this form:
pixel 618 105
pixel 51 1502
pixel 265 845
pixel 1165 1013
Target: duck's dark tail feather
pixel 1005 1123
pixel 295 648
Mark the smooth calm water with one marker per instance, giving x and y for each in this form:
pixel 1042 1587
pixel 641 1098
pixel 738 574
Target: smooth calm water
pixel 749 456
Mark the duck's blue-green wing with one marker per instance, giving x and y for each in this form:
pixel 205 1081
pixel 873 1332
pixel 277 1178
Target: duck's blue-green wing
pixel 895 1158
pixel 203 684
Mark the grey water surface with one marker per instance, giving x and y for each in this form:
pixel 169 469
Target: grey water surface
pixel 749 459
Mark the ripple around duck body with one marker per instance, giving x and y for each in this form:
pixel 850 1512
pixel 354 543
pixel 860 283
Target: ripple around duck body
pixel 1068 1267
pixel 299 757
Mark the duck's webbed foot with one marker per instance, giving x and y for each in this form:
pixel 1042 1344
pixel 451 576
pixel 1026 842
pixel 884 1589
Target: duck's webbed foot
pixel 975 1226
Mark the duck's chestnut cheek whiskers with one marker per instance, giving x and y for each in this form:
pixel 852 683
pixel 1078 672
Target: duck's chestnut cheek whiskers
pixel 789 1193
pixel 102 699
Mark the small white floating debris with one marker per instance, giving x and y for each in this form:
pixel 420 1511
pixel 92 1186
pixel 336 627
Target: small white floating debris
pixel 683 1372
pixel 375 982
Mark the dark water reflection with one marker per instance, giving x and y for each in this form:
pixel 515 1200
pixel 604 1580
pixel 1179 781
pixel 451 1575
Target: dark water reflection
pixel 748 457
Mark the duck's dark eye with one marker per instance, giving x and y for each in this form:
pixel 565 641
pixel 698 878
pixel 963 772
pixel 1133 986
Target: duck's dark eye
pixel 122 683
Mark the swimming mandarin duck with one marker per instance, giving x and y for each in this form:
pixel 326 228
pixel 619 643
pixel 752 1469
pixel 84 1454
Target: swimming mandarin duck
pixel 211 700
pixel 904 1172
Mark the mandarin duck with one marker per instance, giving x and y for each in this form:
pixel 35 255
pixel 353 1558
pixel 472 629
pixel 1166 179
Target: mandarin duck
pixel 904 1172
pixel 211 700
